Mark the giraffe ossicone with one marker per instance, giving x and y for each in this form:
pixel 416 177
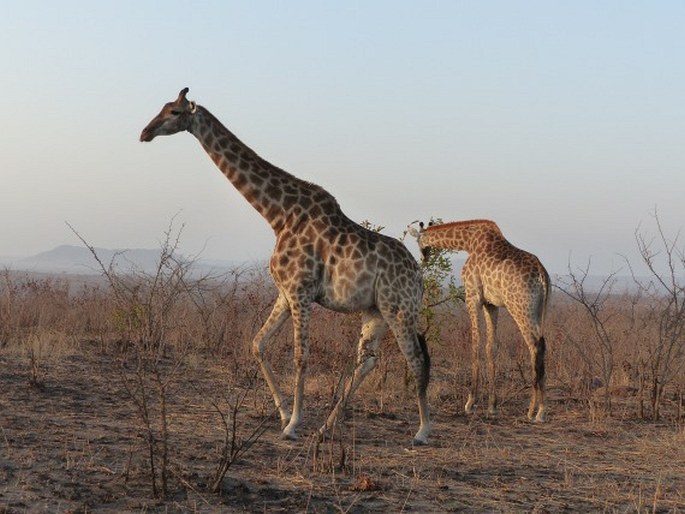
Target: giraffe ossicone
pixel 321 256
pixel 497 274
pixel 412 230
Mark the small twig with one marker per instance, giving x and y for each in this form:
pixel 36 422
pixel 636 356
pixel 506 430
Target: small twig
pixel 189 486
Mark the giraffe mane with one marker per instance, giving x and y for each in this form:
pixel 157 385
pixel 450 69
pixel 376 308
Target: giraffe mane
pixel 463 222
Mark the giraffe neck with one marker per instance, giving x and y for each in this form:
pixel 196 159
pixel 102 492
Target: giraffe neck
pixel 468 236
pixel 273 192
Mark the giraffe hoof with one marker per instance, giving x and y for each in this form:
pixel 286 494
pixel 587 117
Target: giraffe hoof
pixel 289 435
pixel 421 437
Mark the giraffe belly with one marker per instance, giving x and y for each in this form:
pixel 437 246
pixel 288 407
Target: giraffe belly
pixel 346 303
pixel 493 297
pixel 346 295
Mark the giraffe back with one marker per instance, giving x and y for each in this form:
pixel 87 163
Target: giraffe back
pixel 507 276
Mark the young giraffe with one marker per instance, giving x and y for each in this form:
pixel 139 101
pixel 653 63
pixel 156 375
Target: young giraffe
pixel 497 274
pixel 321 256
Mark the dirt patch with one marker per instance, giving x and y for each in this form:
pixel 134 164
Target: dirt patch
pixel 75 444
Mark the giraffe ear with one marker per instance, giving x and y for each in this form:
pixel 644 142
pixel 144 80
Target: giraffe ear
pixel 192 107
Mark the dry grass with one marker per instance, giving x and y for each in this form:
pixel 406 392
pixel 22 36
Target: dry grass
pixel 71 440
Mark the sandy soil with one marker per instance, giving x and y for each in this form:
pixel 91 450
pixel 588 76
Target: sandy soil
pixel 76 444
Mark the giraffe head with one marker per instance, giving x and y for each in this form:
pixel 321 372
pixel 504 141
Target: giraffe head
pixel 411 229
pixel 174 117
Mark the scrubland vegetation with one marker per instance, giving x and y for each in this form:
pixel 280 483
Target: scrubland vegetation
pixel 138 392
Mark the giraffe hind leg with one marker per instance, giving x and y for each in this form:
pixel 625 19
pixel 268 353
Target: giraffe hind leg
pixel 373 330
pixel 421 437
pixel 471 305
pixel 538 395
pixel 415 351
pixel 490 314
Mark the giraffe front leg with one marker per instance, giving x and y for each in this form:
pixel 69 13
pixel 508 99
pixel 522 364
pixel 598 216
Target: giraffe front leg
pixel 301 320
pixel 279 314
pixel 373 330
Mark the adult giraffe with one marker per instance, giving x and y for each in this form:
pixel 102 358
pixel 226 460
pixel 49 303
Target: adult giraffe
pixel 497 274
pixel 321 256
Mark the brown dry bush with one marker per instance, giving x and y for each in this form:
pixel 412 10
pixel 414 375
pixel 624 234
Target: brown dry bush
pixel 661 314
pixel 191 338
pixel 161 321
pixel 629 342
pixel 217 317
pixel 29 303
pixel 44 317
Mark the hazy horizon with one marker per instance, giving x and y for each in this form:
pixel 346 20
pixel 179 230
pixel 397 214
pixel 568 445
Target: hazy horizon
pixel 561 122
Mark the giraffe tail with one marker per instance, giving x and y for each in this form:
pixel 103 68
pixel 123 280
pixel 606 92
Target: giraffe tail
pixel 545 282
pixel 540 344
pixel 425 371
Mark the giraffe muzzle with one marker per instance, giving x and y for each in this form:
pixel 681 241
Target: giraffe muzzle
pixel 146 135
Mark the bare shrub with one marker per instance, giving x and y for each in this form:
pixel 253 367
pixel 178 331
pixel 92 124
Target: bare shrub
pixel 593 313
pixel 229 309
pixel 150 313
pixel 660 308
pixel 159 319
pixel 630 341
pixel 217 306
pixel 235 443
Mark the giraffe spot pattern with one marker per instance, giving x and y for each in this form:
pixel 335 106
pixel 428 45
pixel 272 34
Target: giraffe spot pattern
pixel 320 255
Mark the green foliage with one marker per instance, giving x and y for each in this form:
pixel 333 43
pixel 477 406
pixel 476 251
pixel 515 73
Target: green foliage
pixel 440 289
pixel 128 318
pixel 371 226
pixel 441 294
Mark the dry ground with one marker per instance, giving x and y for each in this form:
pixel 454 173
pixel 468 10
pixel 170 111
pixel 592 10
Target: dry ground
pixel 74 444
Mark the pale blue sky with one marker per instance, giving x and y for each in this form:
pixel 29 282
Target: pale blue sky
pixel 561 121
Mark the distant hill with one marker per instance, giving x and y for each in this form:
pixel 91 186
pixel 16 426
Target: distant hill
pixel 79 260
